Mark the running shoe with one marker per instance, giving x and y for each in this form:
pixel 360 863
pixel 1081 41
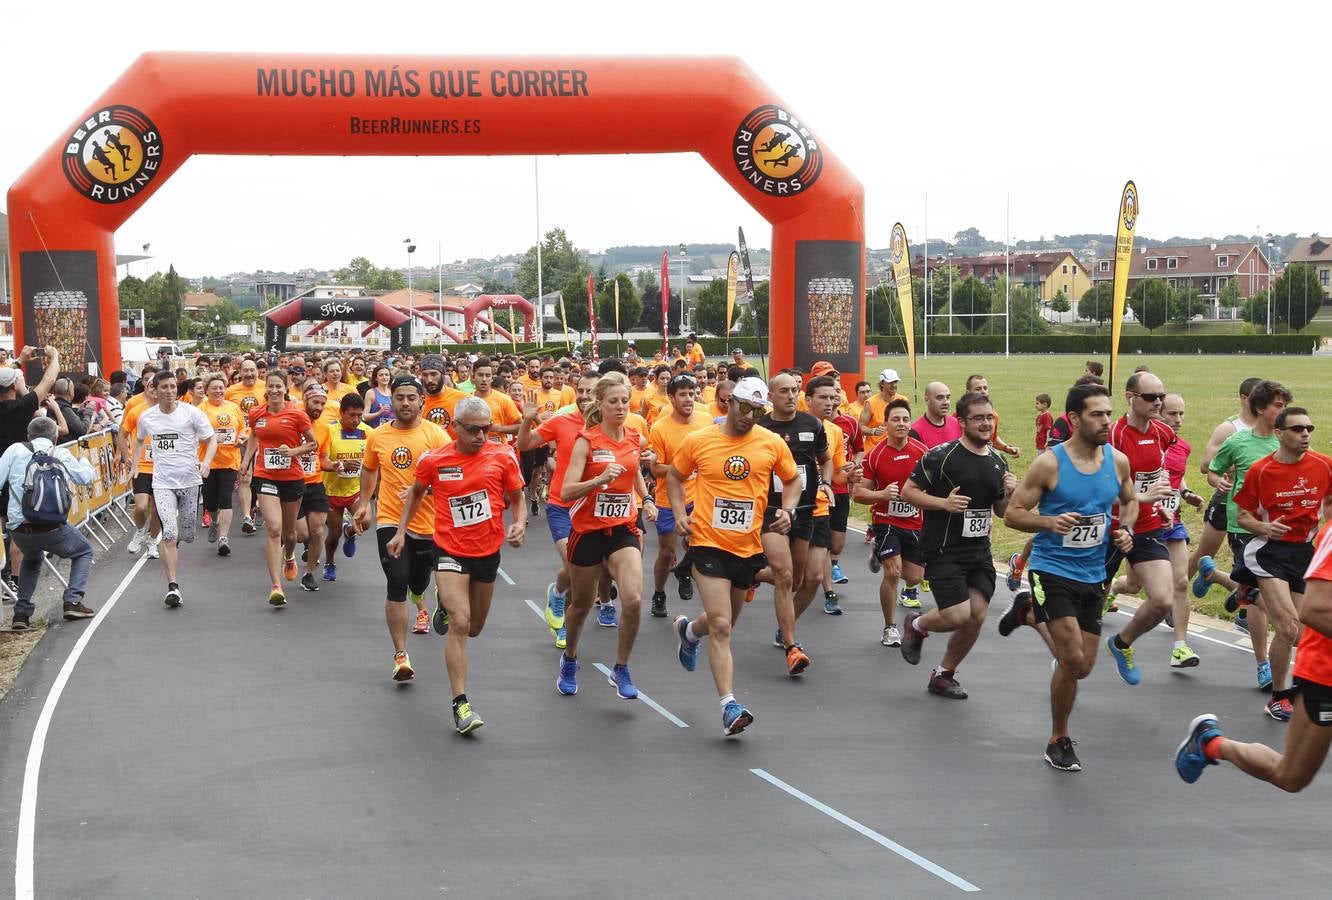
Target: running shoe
pixel 561 639
pixel 402 667
pixel 777 640
pixel 1123 661
pixel 1059 754
pixel 305 553
pixel 796 660
pixel 910 598
pixel 875 564
pixel 422 624
pixel 440 619
pixel 1279 709
pixel 837 576
pixel 20 622
pixel 1170 619
pixel 832 603
pixel 1014 581
pixel 213 529
pixel 1110 604
pixel 687 649
pixel 247 525
pixel 606 617
pixel 532 505
pixel 1241 622
pixel 78 611
pixel 223 546
pixel 554 609
pixel 289 568
pixel 946 686
pixel 276 597
pixel 623 683
pixel 925 585
pixel 1265 676
pixel 348 541
pixel 1190 761
pixel 735 719
pixel 172 598
pixel 567 683
pixel 912 640
pixel 685 588
pixel 891 637
pixel 659 604
pixel 330 572
pixel 464 719
pixel 207 519
pixel 136 540
pixel 154 550
pixel 308 582
pixel 1233 601
pixel 1013 616
pixel 1183 658
pixel 1206 566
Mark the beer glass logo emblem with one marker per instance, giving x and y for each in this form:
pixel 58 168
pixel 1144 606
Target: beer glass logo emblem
pixel 776 153
pixel 113 154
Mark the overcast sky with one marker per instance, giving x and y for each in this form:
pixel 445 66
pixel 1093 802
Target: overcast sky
pixel 1218 111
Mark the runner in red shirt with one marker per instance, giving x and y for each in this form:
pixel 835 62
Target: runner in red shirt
pixel 895 523
pixel 472 480
pixel 604 483
pixel 1280 503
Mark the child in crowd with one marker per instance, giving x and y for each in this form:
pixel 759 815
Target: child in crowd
pixel 1044 421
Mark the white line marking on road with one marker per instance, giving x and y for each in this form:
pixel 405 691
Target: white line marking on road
pixel 505 575
pixel 540 613
pixel 1234 645
pixel 23 861
pixel 904 852
pixel 665 713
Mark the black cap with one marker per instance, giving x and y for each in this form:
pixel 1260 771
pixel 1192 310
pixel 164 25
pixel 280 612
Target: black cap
pixel 407 381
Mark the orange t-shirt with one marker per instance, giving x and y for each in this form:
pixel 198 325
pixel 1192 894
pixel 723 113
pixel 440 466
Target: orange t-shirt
pixel 563 430
pixel 247 398
pixel 503 411
pixel 129 424
pixel 229 425
pixel 394 452
pixel 695 355
pixel 310 461
pixel 731 491
pixel 547 401
pixel 638 400
pixel 615 503
pixel 272 430
pixel 836 450
pixel 469 496
pixel 438 408
pixel 878 408
pixel 666 435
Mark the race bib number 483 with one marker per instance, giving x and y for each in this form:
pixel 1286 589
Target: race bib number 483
pixel 275 459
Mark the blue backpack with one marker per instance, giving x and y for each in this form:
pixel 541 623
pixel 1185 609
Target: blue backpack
pixel 46 493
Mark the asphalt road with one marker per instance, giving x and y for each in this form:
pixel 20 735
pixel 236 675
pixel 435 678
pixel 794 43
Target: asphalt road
pixel 229 750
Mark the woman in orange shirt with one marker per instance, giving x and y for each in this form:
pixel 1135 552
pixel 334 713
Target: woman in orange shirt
pixel 604 483
pixel 229 425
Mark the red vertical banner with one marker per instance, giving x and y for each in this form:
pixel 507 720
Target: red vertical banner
pixel 592 314
pixel 665 296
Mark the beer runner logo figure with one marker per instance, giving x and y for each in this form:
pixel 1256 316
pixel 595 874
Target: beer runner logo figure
pixel 776 153
pixel 113 154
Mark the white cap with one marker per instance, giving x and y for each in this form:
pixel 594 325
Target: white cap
pixel 735 350
pixel 750 390
pixel 888 375
pixel 10 375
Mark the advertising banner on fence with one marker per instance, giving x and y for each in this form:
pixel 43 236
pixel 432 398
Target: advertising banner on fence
pixel 1129 207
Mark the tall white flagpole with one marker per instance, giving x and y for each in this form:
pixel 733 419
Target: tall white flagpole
pixel 925 311
pixel 1008 264
pixel 541 292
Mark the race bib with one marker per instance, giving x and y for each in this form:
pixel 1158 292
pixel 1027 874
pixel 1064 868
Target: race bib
pixel 732 515
pixel 1142 481
pixel 447 564
pixel 975 523
pixel 351 467
pixel 165 443
pixel 777 481
pixel 612 506
pixel 1171 504
pixel 310 463
pixel 226 435
pixel 274 460
pixel 470 509
pixel 900 509
pixel 1089 532
pixel 603 456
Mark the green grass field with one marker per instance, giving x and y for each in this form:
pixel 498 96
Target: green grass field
pixel 1208 384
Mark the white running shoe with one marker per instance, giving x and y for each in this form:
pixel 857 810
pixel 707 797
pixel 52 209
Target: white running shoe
pixel 136 540
pixel 153 551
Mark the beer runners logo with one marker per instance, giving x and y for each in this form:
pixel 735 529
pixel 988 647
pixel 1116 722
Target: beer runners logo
pixel 776 153
pixel 736 468
pixel 113 154
pixel 402 458
pixel 1130 208
pixel 440 416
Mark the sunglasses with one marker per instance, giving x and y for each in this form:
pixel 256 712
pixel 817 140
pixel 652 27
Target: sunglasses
pixel 1302 429
pixel 1150 398
pixel 751 409
pixel 474 429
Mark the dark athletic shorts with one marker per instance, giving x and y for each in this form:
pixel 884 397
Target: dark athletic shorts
pixel 592 548
pixel 217 489
pixel 711 562
pixel 1146 546
pixel 1283 560
pixel 413 567
pixel 953 575
pixel 287 491
pixel 143 483
pixel 1236 541
pixel 479 568
pixel 892 540
pixel 802 527
pixel 1215 515
pixel 313 499
pixel 841 513
pixel 1317 701
pixel 1061 598
pixel 820 534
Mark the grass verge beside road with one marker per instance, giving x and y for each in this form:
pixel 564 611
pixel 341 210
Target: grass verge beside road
pixel 14 649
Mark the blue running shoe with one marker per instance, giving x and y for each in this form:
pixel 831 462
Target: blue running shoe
pixel 349 541
pixel 606 615
pixel 1014 577
pixel 735 718
pixel 1264 676
pixel 1206 566
pixel 837 576
pixel 623 683
pixel 1189 758
pixel 1241 622
pixel 561 638
pixel 777 640
pixel 1123 661
pixel 688 649
pixel 554 608
pixel 330 572
pixel 567 683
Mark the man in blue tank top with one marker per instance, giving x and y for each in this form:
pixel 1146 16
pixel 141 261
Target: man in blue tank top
pixel 1066 499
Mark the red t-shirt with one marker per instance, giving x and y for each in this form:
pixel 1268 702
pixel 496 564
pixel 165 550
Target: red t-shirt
pixel 932 435
pixel 615 503
pixel 1044 424
pixel 563 430
pixel 1293 492
pixel 855 443
pixel 1313 656
pixel 469 494
pixel 1146 452
pixel 273 430
pixel 885 465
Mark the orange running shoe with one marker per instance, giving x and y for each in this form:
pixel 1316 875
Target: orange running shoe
pixel 402 667
pixel 422 625
pixel 289 568
pixel 796 660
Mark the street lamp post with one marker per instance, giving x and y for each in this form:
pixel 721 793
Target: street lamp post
pixel 1271 246
pixel 411 248
pixel 950 290
pixel 684 258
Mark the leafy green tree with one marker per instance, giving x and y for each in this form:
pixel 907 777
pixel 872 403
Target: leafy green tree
pixel 1024 311
pixel 646 279
pixel 1097 303
pixel 493 285
pixel 1229 297
pixel 1254 310
pixel 360 271
pixel 710 308
pixel 631 307
pixel 1296 296
pixel 575 302
pixel 1060 303
pixel 1188 303
pixel 560 260
pixel 1150 302
pixel 972 298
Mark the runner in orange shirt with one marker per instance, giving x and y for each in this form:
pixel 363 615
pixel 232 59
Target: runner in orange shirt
pixel 439 399
pixel 391 455
pixel 229 425
pixel 147 530
pixel 605 486
pixel 664 437
pixel 472 481
pixel 505 415
pixel 313 515
pixel 247 394
pixel 658 399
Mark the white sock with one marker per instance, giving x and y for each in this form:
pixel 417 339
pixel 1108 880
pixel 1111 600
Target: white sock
pixel 1179 644
pixel 915 625
pixel 727 698
pixel 689 634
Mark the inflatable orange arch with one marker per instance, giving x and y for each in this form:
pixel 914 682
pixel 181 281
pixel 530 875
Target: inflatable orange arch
pixel 64 210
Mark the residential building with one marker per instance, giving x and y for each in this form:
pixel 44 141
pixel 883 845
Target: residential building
pixel 1316 252
pixel 1047 272
pixel 1206 267
pixel 193 302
